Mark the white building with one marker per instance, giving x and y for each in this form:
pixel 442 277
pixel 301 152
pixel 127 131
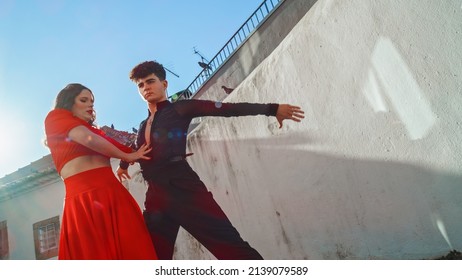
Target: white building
pixel 373 172
pixel 30 207
pixel 31 204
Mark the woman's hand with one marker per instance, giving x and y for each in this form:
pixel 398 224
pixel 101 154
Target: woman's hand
pixel 139 154
pixel 290 112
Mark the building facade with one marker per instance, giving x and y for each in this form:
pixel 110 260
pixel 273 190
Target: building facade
pixel 31 204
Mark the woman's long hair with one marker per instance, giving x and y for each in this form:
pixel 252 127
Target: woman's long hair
pixel 66 97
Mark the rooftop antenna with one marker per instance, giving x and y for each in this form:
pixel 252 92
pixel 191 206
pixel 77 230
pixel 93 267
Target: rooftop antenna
pixel 171 72
pixel 204 63
pixel 199 54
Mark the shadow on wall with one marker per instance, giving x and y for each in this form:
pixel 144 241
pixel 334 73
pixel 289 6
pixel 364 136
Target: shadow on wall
pixel 320 206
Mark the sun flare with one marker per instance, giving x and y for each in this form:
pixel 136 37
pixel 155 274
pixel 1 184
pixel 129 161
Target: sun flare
pixel 12 143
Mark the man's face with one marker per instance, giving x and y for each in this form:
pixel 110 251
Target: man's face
pixel 152 89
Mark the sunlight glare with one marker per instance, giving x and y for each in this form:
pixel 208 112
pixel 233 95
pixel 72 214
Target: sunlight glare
pixel 372 92
pixel 442 229
pixel 402 89
pixel 440 225
pixel 13 138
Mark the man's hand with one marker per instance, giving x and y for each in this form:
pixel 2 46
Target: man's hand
pixel 290 112
pixel 122 174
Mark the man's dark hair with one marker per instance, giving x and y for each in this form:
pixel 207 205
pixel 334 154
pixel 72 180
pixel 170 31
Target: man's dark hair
pixel 147 68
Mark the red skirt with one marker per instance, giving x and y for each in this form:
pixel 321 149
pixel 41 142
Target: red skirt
pixel 101 220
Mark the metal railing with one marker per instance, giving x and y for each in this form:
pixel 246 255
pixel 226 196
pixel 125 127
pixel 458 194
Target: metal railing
pixel 251 24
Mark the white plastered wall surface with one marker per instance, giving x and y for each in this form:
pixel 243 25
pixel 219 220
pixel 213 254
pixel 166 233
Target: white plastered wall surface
pixel 374 170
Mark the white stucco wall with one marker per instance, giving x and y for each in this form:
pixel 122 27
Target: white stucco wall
pixel 22 212
pixel 255 49
pixel 45 201
pixel 374 171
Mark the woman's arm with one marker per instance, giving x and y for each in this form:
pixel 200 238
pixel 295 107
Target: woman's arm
pixel 87 138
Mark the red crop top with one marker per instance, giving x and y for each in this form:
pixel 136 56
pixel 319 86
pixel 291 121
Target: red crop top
pixel 58 123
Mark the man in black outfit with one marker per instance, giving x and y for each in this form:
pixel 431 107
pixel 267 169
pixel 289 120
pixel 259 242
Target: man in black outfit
pixel 176 196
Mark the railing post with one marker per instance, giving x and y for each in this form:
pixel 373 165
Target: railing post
pixel 232 44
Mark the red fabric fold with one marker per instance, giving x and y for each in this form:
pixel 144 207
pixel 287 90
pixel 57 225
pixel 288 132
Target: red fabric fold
pixel 102 221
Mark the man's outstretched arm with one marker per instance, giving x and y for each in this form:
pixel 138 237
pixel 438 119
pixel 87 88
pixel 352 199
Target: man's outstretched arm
pixel 200 108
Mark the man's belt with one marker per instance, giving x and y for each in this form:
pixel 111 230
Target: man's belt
pixel 176 158
pixel 179 158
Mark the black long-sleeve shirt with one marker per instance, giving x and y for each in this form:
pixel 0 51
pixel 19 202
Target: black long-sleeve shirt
pixel 171 122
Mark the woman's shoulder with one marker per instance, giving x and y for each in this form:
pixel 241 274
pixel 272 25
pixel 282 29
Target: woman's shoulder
pixel 58 113
pixel 61 120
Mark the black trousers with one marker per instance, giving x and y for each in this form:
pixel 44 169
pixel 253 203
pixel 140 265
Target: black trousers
pixel 177 197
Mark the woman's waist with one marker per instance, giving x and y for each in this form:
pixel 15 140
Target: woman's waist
pixel 83 163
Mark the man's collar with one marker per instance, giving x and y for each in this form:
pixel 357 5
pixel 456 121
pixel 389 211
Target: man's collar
pixel 160 105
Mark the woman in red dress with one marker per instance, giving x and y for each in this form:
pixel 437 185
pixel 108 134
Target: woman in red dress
pixel 101 220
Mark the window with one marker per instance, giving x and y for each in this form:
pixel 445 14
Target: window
pixel 4 249
pixel 46 238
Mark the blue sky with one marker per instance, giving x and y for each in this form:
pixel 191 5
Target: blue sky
pixel 46 44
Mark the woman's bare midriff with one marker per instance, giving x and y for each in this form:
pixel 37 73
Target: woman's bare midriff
pixel 84 163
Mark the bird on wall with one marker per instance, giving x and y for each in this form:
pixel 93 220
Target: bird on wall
pixel 227 89
pixel 204 65
pixel 112 126
pixel 134 130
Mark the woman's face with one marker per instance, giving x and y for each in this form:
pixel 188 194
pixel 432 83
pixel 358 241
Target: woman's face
pixel 83 106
